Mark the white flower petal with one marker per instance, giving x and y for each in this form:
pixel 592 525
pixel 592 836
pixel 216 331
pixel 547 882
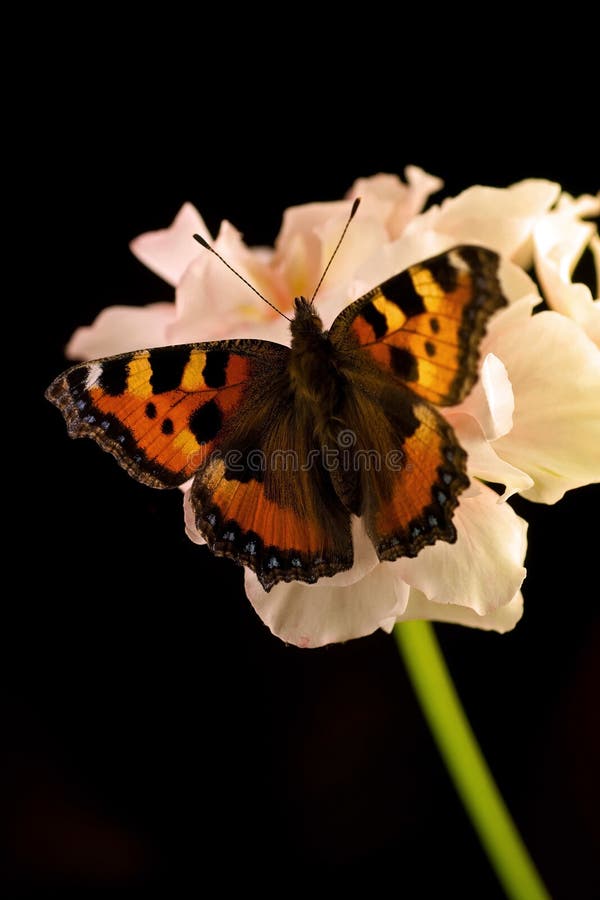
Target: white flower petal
pixel 334 609
pixel 483 461
pixel 515 283
pixel 491 401
pixel 298 248
pixel 362 240
pixel 484 568
pixel 514 316
pixel 308 239
pixel 501 620
pixel 213 303
pixel 320 614
pixel 500 218
pixel 388 200
pixel 555 372
pixel 119 329
pixel 560 238
pixel 169 251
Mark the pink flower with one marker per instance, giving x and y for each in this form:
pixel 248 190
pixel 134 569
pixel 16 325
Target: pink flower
pixel 532 422
pixel 211 303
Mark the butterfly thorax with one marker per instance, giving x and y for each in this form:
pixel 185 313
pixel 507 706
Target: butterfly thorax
pixel 314 375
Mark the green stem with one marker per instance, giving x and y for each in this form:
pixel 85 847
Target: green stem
pixel 465 762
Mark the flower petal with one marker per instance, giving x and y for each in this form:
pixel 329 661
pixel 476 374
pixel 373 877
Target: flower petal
pixel 484 568
pixel 559 239
pixel 491 402
pixel 213 304
pixel 348 605
pixel 298 248
pixel 501 620
pixel 320 614
pixel 483 461
pixel 388 200
pixel 308 238
pixel 500 218
pixel 119 329
pixel 169 251
pixel 362 240
pixel 554 369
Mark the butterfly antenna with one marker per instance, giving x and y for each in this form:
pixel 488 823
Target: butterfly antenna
pixel 355 206
pixel 207 246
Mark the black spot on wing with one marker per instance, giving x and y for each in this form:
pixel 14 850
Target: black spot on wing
pixel 400 290
pixel 444 272
pixel 400 406
pixel 167 364
pixel 403 363
pixel 429 348
pixel 215 368
pixel 375 319
pixel 151 410
pixel 434 324
pixel 113 378
pixel 167 426
pixel 205 422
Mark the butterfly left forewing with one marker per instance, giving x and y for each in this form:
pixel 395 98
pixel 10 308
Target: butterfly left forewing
pixel 162 412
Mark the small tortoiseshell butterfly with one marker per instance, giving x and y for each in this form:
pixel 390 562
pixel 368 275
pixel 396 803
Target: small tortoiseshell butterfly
pixel 253 421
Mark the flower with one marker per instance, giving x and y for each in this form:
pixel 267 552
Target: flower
pixel 532 422
pixel 560 238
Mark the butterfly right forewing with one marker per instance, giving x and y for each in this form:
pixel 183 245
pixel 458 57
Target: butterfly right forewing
pixel 425 325
pixel 407 344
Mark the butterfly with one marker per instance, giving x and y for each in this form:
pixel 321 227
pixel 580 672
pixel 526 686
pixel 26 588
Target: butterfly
pixel 286 444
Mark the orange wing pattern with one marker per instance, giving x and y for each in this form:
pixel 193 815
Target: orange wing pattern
pixel 229 412
pixel 424 492
pixel 161 412
pixel 220 411
pixel 281 542
pixel 425 324
pixel 405 470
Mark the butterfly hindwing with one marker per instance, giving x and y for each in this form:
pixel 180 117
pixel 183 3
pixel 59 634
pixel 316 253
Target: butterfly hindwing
pixel 425 325
pixel 266 500
pixel 161 412
pixel 429 476
pixel 405 469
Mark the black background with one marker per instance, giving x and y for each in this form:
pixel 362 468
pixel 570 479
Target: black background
pixel 155 734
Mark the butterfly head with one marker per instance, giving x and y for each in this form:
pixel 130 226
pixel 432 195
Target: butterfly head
pixel 306 326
